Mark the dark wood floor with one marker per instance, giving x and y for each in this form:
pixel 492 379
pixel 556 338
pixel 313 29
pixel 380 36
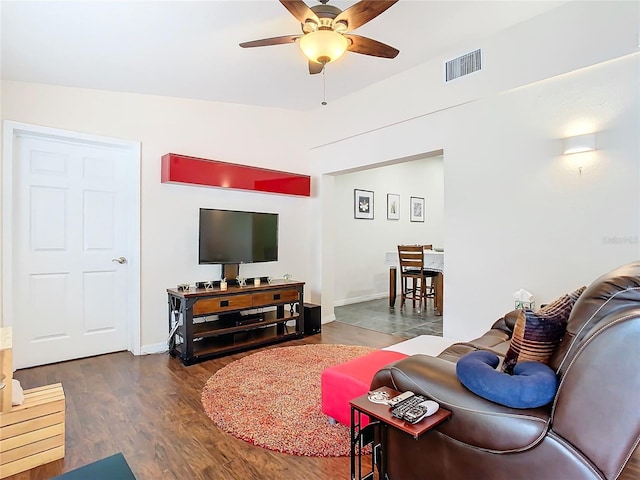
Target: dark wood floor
pixel 148 408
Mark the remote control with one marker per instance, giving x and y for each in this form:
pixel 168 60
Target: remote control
pixel 403 396
pixel 420 411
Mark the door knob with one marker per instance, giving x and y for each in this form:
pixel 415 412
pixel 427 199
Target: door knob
pixel 120 260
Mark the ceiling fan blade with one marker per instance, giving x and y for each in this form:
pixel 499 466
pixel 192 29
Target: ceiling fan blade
pixel 271 41
pixel 360 13
pixel 368 46
pixel 315 67
pixel 300 10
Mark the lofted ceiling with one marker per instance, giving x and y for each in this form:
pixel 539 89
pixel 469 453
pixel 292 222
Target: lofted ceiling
pixel 190 49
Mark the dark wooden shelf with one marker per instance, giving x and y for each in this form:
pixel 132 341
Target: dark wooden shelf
pixel 222 327
pixel 232 342
pixel 223 333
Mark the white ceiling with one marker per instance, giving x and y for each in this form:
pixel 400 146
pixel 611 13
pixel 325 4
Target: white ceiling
pixel 190 49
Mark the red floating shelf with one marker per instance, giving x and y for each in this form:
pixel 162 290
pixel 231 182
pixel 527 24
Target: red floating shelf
pixel 213 173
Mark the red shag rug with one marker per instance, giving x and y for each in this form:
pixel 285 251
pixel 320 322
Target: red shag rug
pixel 273 399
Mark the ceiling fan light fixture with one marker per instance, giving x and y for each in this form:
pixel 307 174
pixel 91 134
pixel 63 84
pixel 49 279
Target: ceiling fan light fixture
pixel 309 26
pixel 323 46
pixel 340 26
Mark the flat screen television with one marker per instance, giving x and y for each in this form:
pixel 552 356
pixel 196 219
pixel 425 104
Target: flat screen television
pixel 228 236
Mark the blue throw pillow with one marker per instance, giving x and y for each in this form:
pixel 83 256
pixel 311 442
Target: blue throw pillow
pixel 533 384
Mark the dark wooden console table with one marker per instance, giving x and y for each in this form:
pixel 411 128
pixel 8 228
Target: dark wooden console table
pixel 209 322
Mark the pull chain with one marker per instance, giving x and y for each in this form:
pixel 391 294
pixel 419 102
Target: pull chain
pixel 324 85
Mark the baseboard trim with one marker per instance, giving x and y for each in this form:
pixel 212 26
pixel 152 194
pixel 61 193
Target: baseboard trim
pixel 363 298
pixel 329 319
pixel 154 348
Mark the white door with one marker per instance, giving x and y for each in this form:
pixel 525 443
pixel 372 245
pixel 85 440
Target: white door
pixel 71 290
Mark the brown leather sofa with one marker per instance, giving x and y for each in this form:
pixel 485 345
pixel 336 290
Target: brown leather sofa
pixel 589 430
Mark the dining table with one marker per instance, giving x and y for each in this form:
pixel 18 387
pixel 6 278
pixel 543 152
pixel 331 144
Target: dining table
pixel 433 261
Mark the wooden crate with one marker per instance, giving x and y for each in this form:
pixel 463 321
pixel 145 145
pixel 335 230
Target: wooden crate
pixel 6 368
pixel 32 434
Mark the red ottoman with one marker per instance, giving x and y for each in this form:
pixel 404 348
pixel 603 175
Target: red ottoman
pixel 346 381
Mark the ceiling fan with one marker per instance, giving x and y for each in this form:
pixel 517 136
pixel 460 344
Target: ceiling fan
pixel 325 30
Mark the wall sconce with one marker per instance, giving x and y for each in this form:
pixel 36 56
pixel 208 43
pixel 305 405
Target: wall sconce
pixel 579 144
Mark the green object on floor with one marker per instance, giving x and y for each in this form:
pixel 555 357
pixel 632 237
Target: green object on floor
pixel 114 467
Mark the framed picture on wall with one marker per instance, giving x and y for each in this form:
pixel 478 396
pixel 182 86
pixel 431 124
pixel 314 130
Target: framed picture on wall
pixel 417 209
pixel 393 206
pixel 363 204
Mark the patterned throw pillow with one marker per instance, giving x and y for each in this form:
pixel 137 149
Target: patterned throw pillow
pixel 537 334
pixel 576 293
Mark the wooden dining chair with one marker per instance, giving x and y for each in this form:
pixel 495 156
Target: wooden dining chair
pixel 432 275
pixel 412 276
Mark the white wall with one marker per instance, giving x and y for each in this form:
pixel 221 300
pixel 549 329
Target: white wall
pixel 360 245
pixel 573 36
pixel 169 213
pixel 517 213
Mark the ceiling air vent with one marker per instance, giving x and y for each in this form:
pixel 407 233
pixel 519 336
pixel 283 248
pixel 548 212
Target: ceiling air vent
pixel 463 65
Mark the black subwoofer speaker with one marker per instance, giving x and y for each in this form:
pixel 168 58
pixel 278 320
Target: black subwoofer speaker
pixel 312 319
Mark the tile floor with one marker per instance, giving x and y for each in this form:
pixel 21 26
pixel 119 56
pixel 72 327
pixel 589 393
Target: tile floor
pixel 376 315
